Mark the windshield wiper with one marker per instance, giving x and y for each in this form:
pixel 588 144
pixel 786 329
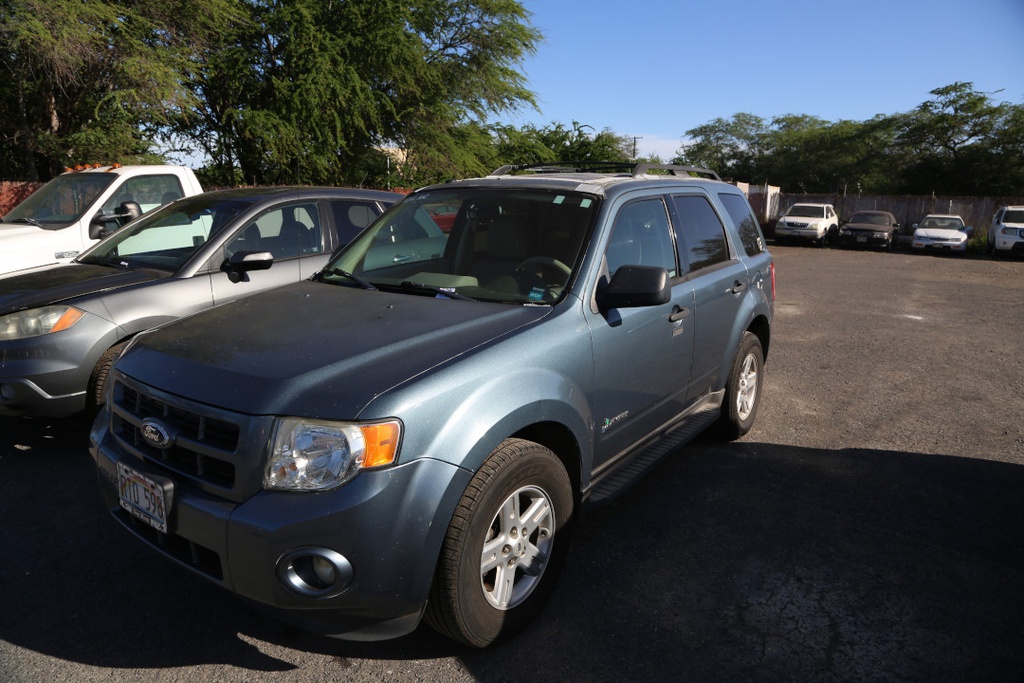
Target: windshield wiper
pixel 30 221
pixel 108 261
pixel 348 276
pixel 449 293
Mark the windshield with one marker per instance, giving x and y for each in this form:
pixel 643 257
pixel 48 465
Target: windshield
pixel 942 223
pixel 62 201
pixel 805 210
pixel 870 218
pixel 518 246
pixel 168 237
pixel 1014 216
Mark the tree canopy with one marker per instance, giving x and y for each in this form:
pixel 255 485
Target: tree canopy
pixel 959 142
pixel 386 93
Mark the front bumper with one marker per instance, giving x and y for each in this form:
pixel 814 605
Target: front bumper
pixel 384 527
pixel 1009 244
pixel 808 234
pixel 48 375
pixel 932 245
pixel 864 239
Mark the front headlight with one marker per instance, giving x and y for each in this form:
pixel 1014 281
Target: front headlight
pixel 881 235
pixel 318 455
pixel 38 321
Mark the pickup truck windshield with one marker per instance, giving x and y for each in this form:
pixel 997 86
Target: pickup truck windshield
pixel 62 201
pixel 510 246
pixel 166 238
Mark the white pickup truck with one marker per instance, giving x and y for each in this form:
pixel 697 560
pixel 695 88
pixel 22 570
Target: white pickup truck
pixel 69 213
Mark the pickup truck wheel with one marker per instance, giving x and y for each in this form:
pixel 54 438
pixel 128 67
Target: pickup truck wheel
pixel 743 389
pixel 505 546
pixel 96 393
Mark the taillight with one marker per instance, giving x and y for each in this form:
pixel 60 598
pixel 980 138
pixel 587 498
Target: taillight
pixel 771 269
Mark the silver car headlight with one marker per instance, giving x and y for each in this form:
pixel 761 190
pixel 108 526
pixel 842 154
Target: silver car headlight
pixel 38 321
pixel 319 455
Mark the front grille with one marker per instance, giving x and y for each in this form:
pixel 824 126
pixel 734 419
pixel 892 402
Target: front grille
pixel 207 445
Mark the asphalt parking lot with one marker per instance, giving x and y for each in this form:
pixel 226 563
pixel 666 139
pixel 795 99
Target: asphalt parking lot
pixel 869 528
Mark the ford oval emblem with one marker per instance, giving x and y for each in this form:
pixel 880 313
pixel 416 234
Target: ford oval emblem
pixel 156 433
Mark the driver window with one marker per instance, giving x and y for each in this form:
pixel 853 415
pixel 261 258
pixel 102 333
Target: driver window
pixel 641 238
pixel 286 232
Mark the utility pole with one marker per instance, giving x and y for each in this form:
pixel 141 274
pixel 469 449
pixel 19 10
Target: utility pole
pixel 635 138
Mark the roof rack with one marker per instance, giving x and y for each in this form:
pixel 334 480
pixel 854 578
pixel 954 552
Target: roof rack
pixel 632 168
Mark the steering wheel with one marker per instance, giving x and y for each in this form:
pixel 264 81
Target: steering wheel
pixel 545 262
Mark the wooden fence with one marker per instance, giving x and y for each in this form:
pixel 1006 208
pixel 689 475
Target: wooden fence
pixel 13 193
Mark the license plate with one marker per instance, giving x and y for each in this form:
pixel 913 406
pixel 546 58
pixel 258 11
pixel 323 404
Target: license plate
pixel 143 497
pixel 862 239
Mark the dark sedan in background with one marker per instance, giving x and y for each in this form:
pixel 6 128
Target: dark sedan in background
pixel 869 229
pixel 61 327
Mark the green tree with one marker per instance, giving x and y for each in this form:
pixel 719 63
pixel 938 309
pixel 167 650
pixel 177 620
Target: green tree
pixel 94 81
pixel 950 138
pixel 731 147
pixel 314 91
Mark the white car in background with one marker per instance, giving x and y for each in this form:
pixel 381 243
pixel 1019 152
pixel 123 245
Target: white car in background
pixel 815 223
pixel 1006 234
pixel 941 232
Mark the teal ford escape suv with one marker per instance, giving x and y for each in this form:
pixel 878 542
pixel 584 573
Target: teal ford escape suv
pixel 410 434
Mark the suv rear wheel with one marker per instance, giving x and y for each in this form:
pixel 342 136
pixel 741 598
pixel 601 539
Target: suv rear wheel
pixel 743 389
pixel 505 546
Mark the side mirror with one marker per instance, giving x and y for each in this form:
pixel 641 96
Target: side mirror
pixel 637 286
pixel 240 263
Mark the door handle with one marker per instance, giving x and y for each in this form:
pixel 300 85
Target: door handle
pixel 679 314
pixel 737 287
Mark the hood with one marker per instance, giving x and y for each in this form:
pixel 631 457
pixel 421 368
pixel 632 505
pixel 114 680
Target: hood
pixel 801 220
pixel 17 231
pixel 940 233
pixel 314 349
pixel 25 246
pixel 874 227
pixel 53 284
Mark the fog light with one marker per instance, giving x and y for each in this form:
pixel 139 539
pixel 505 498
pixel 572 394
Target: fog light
pixel 6 392
pixel 315 572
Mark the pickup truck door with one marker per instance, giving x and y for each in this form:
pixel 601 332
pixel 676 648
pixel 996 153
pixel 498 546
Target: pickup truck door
pixel 647 348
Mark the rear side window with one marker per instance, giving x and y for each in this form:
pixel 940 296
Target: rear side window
pixel 746 224
pixel 700 231
pixel 351 216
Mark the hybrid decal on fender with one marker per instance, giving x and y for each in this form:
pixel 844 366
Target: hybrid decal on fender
pixel 610 422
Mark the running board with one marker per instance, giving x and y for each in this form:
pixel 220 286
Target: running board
pixel 616 482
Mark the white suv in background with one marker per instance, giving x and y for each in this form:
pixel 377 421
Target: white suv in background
pixel 1006 234
pixel 815 223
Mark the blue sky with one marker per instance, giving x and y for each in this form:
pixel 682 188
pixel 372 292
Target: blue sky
pixel 657 68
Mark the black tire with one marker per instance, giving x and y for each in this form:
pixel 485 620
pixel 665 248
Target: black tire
pixel 96 393
pixel 743 389
pixel 466 602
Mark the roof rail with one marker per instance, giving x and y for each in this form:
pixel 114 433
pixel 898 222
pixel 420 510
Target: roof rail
pixel 630 167
pixel 674 169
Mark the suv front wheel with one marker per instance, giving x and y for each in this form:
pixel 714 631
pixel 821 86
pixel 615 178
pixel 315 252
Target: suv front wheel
pixel 505 546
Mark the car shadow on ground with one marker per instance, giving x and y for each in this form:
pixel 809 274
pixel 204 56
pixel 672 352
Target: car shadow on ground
pixel 743 561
